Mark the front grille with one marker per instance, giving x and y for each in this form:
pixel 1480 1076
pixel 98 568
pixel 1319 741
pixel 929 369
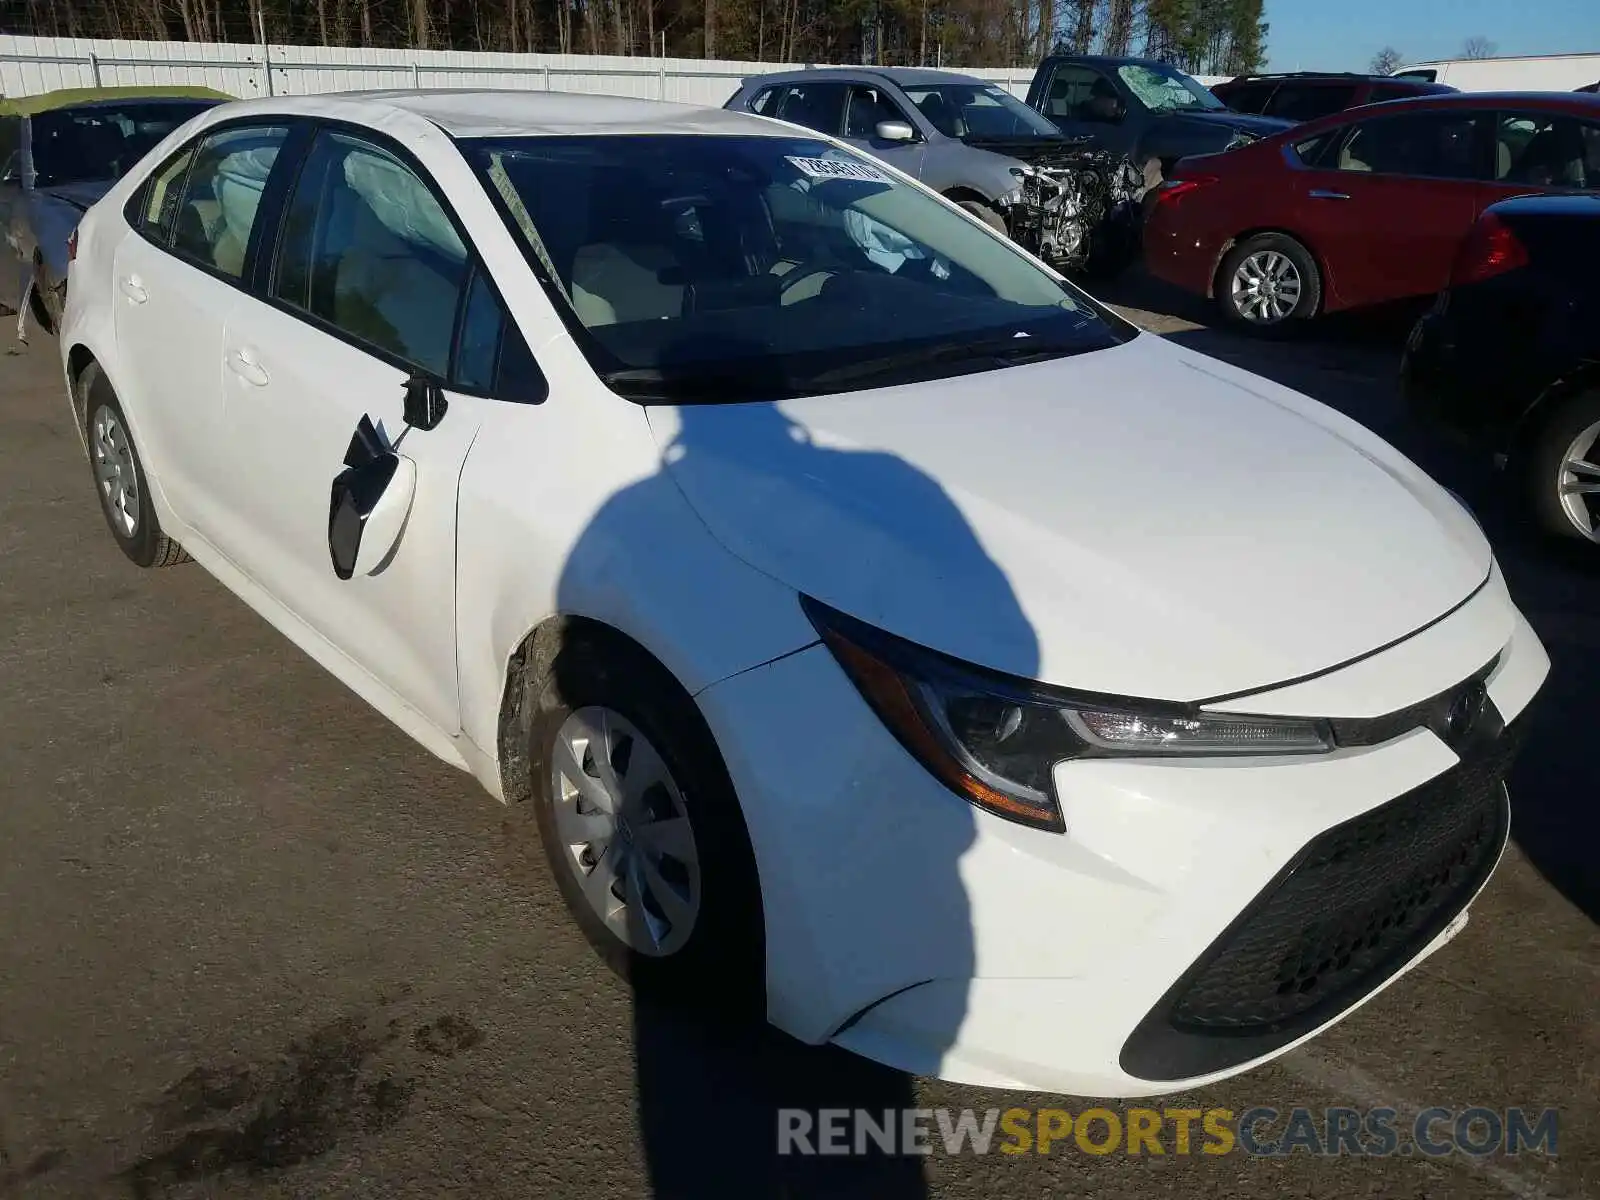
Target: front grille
pixel 1356 904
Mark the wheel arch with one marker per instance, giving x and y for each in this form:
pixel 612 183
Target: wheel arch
pixel 530 662
pixel 1583 378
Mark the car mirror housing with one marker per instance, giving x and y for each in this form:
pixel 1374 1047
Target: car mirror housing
pixel 895 131
pixel 368 504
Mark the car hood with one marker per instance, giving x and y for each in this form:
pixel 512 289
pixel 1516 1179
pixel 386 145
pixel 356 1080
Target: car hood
pixel 1248 122
pixel 80 195
pixel 1140 520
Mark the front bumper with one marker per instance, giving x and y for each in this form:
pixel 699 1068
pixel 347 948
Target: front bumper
pixel 916 930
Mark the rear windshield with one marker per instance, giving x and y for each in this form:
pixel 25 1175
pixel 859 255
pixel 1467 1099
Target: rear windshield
pixel 102 143
pixel 702 269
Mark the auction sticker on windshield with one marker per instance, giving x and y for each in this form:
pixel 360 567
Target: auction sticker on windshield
pixel 836 168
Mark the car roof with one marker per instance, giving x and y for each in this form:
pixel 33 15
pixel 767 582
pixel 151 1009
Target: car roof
pixel 27 106
pixel 904 76
pixel 1421 85
pixel 1576 103
pixel 469 113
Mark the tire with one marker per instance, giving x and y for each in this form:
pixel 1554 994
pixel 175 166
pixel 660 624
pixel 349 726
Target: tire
pixel 120 479
pixel 715 961
pixel 1280 260
pixel 1561 438
pixel 987 215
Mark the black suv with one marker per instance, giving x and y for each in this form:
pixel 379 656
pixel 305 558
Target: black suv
pixel 1307 95
pixel 1150 111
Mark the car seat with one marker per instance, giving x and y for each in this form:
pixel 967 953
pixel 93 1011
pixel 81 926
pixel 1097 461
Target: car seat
pixel 624 272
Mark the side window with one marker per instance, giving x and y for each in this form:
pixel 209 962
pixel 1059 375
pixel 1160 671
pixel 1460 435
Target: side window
pixel 869 106
pixel 1248 97
pixel 368 249
pixel 161 196
pixel 766 102
pixel 222 194
pixel 491 354
pixel 1546 151
pixel 818 106
pixel 1314 150
pixel 1308 101
pixel 1390 91
pixel 1071 89
pixel 1440 145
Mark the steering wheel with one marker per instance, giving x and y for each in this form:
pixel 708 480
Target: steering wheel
pixel 805 270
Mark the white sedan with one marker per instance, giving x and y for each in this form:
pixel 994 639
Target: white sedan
pixel 882 630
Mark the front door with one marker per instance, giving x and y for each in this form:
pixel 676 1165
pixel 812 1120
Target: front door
pixel 370 274
pixel 175 277
pixel 868 107
pixel 1387 212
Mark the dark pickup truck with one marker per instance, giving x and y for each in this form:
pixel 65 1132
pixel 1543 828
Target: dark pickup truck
pixel 1150 111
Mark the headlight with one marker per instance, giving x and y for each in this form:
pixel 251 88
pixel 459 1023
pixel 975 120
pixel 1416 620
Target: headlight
pixel 995 740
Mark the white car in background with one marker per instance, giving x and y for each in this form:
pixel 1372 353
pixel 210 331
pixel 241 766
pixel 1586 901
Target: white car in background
pixel 900 641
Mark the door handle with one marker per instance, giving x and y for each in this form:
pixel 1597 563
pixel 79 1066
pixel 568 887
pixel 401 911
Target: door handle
pixel 242 362
pixel 1324 194
pixel 133 289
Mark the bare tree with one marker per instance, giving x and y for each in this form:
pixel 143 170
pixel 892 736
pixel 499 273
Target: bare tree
pixel 1386 60
pixel 1478 47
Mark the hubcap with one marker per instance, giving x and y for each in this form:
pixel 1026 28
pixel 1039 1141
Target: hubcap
pixel 1578 482
pixel 624 831
pixel 1266 287
pixel 113 469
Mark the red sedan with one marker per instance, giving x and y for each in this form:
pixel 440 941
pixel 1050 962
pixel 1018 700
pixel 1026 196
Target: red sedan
pixel 1367 206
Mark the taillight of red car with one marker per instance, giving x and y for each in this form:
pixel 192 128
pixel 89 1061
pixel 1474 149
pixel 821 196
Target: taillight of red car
pixel 1490 249
pixel 1173 190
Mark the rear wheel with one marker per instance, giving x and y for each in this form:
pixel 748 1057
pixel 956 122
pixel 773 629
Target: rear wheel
pixel 1562 470
pixel 120 478
pixel 1267 282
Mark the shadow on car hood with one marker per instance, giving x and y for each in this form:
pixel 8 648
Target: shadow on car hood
pixel 1140 520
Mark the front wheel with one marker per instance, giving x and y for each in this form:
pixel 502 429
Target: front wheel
pixel 642 828
pixel 1562 470
pixel 1267 282
pixel 986 214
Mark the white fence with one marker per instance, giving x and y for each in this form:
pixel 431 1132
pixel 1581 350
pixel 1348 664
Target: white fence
pixel 30 65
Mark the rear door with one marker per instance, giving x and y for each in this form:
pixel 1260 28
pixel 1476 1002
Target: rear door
pixel 818 106
pixel 175 278
pixel 1542 152
pixel 867 106
pixel 1389 203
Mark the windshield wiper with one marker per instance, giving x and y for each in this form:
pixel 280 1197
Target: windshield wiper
pixel 1002 351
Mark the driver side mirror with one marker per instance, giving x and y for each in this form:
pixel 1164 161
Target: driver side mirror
pixel 895 131
pixel 369 503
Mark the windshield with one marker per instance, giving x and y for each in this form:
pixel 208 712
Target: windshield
pixel 704 269
pixel 100 144
pixel 1167 89
pixel 962 110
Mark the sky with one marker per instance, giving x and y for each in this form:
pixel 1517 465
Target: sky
pixel 1343 35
